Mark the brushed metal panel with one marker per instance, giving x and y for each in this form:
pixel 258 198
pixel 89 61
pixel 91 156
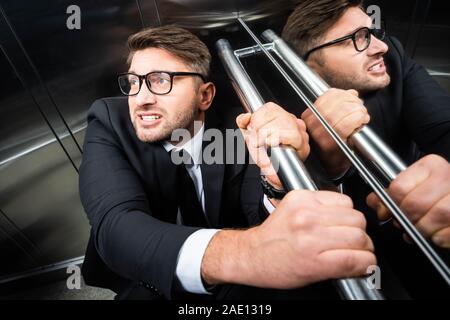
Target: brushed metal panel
pixel 68 69
pixel 41 218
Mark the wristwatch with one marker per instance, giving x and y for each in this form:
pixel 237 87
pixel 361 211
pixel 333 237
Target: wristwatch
pixel 270 191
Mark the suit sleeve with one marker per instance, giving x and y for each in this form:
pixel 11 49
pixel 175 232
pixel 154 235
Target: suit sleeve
pixel 426 107
pixel 252 196
pixel 131 242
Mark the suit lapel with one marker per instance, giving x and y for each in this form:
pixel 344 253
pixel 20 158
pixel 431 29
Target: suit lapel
pixel 159 177
pixel 212 176
pixel 374 107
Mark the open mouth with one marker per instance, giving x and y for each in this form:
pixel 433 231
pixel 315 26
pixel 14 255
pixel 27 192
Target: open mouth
pixel 377 67
pixel 150 118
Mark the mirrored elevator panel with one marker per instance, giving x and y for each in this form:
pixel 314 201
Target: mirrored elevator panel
pixel 51 74
pixel 41 219
pixel 54 66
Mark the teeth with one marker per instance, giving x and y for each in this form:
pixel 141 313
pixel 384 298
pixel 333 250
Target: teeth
pixel 150 118
pixel 375 67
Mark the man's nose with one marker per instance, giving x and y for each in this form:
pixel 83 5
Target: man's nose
pixel 376 47
pixel 145 96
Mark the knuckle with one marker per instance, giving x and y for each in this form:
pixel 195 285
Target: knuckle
pixel 354 264
pixel 307 149
pixel 398 189
pixel 301 123
pixel 361 110
pixel 346 201
pixel 413 204
pixel 305 114
pixel 434 158
pixel 349 107
pixel 305 137
pixel 255 119
pixel 360 219
pixel 348 263
pixel 363 117
pixel 359 238
pixel 369 260
pixel 322 100
pixel 301 219
pixel 332 91
pixel 290 115
pixel 433 163
pixel 274 108
pixel 439 164
pixel 442 212
pixel 294 197
pixel 272 105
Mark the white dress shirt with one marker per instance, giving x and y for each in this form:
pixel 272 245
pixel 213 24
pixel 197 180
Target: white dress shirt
pixel 188 270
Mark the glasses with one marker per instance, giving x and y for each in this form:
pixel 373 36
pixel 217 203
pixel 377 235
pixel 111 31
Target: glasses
pixel 158 82
pixel 361 40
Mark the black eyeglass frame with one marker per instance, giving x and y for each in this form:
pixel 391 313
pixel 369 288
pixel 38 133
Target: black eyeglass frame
pixel 143 78
pixel 378 33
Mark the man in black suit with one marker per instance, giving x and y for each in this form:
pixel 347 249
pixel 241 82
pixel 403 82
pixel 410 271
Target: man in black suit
pixel 374 82
pixel 155 222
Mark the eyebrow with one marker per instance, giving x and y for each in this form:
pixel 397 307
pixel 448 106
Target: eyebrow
pixel 132 71
pixel 353 30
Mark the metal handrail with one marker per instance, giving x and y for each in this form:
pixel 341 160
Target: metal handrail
pixel 292 171
pixel 365 141
pixel 373 148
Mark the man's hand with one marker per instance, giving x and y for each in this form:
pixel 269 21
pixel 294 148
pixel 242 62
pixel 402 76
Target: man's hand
pixel 310 237
pixel 345 112
pixel 423 193
pixel 272 126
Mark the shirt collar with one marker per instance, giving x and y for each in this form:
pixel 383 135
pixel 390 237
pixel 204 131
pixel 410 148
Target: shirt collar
pixel 193 146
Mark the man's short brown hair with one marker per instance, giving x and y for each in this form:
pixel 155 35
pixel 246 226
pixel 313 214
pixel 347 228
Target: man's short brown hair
pixel 310 21
pixel 178 41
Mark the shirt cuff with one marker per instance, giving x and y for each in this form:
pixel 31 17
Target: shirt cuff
pixel 268 205
pixel 189 263
pixel 340 179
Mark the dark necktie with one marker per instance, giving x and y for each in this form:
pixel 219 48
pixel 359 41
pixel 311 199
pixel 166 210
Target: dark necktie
pixel 190 207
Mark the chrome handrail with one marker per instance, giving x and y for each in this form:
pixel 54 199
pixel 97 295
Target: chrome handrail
pixel 292 171
pixel 372 144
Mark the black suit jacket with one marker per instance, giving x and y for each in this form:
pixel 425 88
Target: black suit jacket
pixel 127 190
pixel 412 115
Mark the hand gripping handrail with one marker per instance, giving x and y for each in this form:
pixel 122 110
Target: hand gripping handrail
pixel 292 171
pixel 368 138
pixel 366 141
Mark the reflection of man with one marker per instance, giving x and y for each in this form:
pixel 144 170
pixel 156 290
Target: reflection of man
pixel 377 83
pixel 155 224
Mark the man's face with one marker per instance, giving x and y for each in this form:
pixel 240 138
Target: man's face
pixel 341 66
pixel 154 117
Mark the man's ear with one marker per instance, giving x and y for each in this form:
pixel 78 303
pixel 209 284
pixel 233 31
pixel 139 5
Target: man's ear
pixel 207 91
pixel 314 65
